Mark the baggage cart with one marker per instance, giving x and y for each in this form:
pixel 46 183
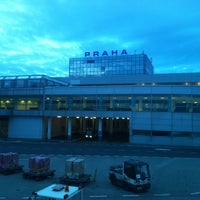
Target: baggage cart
pixel 9 163
pixel 76 181
pixel 75 172
pixel 38 176
pixel 39 168
pixel 11 169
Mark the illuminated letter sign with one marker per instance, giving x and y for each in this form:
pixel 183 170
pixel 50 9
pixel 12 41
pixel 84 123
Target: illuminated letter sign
pixel 95 53
pixel 105 53
pixel 124 52
pixel 87 54
pixel 114 53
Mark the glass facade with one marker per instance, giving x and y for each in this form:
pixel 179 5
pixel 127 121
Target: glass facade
pixel 135 103
pixel 32 81
pixel 151 103
pixel 110 65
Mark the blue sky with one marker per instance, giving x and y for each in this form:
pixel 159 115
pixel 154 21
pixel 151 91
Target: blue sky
pixel 39 36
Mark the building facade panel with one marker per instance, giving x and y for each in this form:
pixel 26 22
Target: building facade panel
pixel 182 123
pixel 161 124
pixel 196 124
pixel 26 127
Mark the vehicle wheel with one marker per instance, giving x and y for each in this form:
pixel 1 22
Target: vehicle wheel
pixel 62 182
pixel 25 176
pixel 81 185
pixel 113 179
pixel 38 178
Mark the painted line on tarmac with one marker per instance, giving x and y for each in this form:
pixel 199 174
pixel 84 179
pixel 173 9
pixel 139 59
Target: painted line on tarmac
pixel 162 195
pixel 130 195
pixel 195 193
pixel 162 149
pixel 98 196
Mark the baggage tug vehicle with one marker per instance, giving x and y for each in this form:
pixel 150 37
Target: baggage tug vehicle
pixel 132 175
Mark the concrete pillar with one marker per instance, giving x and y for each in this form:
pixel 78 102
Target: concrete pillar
pixel 171 110
pixel 130 128
pixel 100 129
pixel 170 106
pixel 133 107
pixel 111 127
pixel 69 129
pixel 49 128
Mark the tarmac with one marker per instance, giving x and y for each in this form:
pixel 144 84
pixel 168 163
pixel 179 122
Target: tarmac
pixel 171 177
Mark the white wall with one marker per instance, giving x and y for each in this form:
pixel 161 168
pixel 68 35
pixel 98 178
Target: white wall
pixel 25 127
pixel 164 121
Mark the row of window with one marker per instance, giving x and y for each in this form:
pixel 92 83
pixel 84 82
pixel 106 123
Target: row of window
pixel 95 63
pixel 95 72
pixel 127 58
pixel 166 133
pixel 114 65
pixel 146 103
pixel 26 83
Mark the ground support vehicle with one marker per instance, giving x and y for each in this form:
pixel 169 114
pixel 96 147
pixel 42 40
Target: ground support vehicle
pixel 133 175
pixel 11 169
pixel 80 181
pixel 58 192
pixel 38 175
pixel 90 135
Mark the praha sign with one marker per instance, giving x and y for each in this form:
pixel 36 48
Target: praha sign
pixel 105 53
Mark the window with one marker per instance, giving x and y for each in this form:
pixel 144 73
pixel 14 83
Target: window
pixel 182 103
pixel 159 103
pixel 142 103
pixel 90 61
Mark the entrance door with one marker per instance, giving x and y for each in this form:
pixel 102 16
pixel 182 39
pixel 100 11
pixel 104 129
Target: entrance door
pixel 115 129
pixel 4 127
pixel 83 125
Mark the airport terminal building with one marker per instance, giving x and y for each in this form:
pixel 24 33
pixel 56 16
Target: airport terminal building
pixel 114 95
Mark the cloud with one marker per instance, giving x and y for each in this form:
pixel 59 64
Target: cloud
pixel 40 36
